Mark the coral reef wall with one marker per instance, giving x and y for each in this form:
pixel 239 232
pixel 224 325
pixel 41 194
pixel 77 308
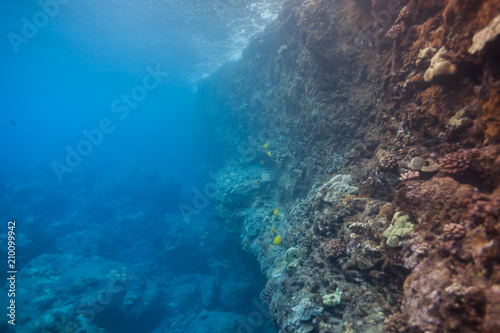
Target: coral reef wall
pixel 356 145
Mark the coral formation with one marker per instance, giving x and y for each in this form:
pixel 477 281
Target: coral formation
pixel 395 31
pixel 440 66
pixel 426 54
pixel 293 257
pixel 453 231
pixel 389 162
pixel 455 163
pixel 266 294
pixel 332 299
pixel 337 187
pixel 485 36
pixel 400 228
pixel 396 323
pixel 334 248
pixel 409 175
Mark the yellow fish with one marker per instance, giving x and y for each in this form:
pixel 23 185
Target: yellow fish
pixel 273 230
pixel 266 145
pixel 276 212
pixel 269 153
pixel 257 182
pixel 261 162
pixel 277 240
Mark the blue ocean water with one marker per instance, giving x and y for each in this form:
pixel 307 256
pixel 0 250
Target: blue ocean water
pixel 99 149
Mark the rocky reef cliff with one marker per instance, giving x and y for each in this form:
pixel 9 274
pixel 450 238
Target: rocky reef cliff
pixel 356 145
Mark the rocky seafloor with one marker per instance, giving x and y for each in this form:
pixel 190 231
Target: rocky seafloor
pixel 356 145
pixel 108 251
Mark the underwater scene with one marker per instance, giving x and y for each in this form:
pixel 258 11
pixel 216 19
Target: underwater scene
pixel 250 166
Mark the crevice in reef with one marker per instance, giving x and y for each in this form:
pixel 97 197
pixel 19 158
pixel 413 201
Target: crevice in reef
pixel 359 164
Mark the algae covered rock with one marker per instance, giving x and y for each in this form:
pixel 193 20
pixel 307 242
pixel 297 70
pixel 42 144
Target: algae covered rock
pixel 214 321
pixel 234 295
pixel 306 310
pixel 237 188
pixel 77 289
pixel 400 228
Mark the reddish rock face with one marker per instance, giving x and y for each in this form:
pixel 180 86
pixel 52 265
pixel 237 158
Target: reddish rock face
pixel 341 87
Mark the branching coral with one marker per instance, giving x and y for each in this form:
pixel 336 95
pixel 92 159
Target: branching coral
pixel 453 231
pixel 389 162
pixel 334 248
pixel 267 294
pixel 395 31
pixel 396 323
pixel 410 175
pixel 455 163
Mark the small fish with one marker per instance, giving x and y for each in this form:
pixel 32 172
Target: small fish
pixel 261 162
pixel 266 145
pixel 257 182
pixel 276 212
pixel 269 153
pixel 273 230
pixel 277 240
pixel 12 122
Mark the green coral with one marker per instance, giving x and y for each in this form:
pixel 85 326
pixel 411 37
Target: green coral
pixel 292 257
pixel 400 228
pixel 332 299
